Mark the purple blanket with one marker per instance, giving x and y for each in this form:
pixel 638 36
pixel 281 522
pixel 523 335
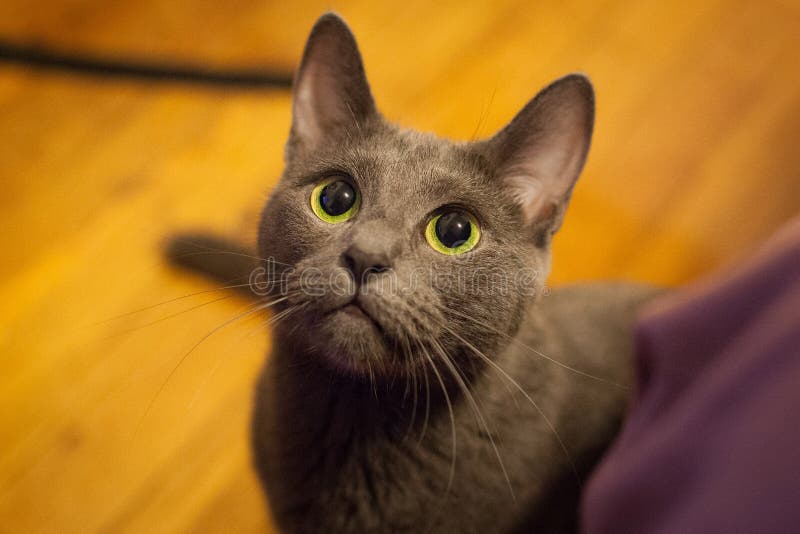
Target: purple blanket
pixel 712 440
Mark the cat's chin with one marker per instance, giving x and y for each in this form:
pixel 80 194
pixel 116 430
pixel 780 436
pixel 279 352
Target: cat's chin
pixel 355 343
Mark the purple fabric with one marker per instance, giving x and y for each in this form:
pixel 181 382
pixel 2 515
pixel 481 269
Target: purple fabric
pixel 712 440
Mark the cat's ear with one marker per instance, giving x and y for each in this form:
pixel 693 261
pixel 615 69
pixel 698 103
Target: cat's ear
pixel 540 153
pixel 331 95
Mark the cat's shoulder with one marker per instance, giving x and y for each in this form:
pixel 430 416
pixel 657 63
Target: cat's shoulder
pixel 597 297
pixel 599 309
pixel 589 324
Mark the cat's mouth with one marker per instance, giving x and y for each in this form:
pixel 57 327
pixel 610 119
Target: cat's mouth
pixel 355 341
pixel 357 312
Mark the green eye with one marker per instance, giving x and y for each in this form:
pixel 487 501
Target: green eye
pixel 452 232
pixel 335 200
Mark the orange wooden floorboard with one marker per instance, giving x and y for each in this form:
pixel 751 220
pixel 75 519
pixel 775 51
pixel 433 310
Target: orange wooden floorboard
pixel 694 163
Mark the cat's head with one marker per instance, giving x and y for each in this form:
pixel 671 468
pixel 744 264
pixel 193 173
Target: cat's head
pixel 397 247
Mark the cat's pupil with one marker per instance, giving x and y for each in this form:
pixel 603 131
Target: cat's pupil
pixel 337 197
pixel 453 229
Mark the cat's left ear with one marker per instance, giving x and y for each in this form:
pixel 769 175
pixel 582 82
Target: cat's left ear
pixel 540 153
pixel 331 96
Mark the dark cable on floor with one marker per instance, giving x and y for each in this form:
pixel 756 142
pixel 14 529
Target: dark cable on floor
pixel 48 59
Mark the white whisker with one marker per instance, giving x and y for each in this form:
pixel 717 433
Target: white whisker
pixel 254 308
pixel 471 399
pixel 537 352
pixel 499 369
pixel 452 419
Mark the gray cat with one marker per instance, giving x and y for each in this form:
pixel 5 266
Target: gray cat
pixel 420 378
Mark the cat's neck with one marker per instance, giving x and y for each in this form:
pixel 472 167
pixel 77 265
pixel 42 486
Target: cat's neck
pixel 344 403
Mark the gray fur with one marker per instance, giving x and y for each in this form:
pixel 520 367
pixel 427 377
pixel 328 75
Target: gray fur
pixel 352 425
pixel 336 454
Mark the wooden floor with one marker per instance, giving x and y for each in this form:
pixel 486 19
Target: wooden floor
pixel 695 162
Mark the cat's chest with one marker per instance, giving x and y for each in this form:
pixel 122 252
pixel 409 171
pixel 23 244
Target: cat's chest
pixel 398 486
pixel 457 473
pixel 331 461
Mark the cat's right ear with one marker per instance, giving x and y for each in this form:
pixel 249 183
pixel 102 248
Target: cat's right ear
pixel 331 95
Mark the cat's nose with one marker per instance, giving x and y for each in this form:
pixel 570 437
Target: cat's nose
pixel 370 251
pixel 362 262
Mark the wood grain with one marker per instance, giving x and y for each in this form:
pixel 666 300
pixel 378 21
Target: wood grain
pixel 694 163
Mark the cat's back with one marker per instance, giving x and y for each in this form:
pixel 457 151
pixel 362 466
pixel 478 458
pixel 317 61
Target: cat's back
pixel 579 340
pixel 595 313
pixel 588 324
pixel 581 337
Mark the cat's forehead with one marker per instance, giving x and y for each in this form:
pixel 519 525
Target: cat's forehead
pixel 423 166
